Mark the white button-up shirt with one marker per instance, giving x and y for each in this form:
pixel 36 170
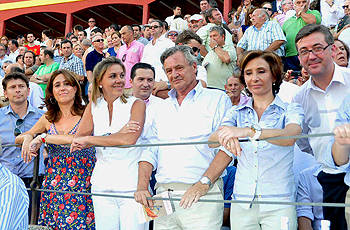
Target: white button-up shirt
pixel 200 114
pixel 331 15
pixel 152 53
pixel 320 111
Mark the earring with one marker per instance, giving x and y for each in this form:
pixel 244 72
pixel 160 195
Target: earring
pixel 274 84
pixel 100 86
pixel 52 100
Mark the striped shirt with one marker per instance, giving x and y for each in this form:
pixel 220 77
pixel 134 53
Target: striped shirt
pixel 14 201
pixel 254 39
pixel 74 64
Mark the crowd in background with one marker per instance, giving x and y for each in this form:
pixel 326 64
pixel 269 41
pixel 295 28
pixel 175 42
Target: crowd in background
pixel 275 69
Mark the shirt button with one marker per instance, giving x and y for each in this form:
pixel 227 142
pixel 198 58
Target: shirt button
pixel 256 166
pixel 259 196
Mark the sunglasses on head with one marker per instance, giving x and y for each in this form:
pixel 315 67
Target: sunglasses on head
pixel 17 131
pixel 154 27
pixel 99 40
pixel 267 8
pixel 346 7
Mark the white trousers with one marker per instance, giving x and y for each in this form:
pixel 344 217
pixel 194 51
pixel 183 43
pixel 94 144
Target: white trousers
pixel 117 213
pixel 253 219
pixel 201 215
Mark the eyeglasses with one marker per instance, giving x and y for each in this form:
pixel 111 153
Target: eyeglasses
pixel 123 58
pixel 172 34
pixel 91 21
pixel 195 49
pixel 154 27
pixel 2 49
pixel 345 7
pixel 99 40
pixel 316 50
pixel 267 8
pixel 17 131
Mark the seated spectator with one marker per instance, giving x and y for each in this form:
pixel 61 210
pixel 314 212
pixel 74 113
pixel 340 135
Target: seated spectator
pixel 137 34
pixel 309 190
pixel 42 75
pixel 197 22
pixel 70 61
pixel 268 7
pixel 20 60
pixel 172 34
pixel 46 41
pixel 29 62
pixel 342 53
pixel 178 24
pixel 344 21
pixel 78 50
pixel 286 6
pixel 234 89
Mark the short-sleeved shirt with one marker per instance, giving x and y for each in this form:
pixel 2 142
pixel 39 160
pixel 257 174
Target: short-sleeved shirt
pixel 254 39
pixel 35 49
pixel 92 59
pixel 217 70
pixel 292 26
pixel 74 64
pixel 265 170
pixel 130 55
pixel 204 34
pixel 44 69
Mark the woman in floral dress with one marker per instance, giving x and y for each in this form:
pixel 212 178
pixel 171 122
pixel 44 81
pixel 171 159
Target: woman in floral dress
pixel 65 171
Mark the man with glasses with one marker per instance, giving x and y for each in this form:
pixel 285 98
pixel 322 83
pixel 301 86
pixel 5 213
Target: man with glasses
pixel 154 49
pixel 16 118
pixel 321 97
pixel 130 53
pixel 92 25
pixel 344 21
pixel 291 27
pixel 95 56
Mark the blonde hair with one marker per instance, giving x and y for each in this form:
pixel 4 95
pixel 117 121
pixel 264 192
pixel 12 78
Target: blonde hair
pixel 98 73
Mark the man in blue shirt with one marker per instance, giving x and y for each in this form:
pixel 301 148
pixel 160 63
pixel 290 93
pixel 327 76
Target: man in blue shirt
pixel 16 118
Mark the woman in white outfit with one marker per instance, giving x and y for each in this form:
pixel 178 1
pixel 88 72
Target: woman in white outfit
pixel 113 119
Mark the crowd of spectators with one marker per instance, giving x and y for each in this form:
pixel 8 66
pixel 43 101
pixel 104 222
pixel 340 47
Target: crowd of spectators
pixel 273 70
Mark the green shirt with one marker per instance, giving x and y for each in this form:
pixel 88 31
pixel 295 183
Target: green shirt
pixel 204 34
pixel 292 26
pixel 44 69
pixel 218 71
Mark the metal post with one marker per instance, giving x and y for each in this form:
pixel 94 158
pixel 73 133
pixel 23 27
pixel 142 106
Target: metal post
pixel 35 184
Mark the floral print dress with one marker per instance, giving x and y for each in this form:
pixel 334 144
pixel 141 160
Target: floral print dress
pixel 68 172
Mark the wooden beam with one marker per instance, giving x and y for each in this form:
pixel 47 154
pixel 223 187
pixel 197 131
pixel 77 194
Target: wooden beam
pixel 52 17
pixel 125 15
pixel 100 16
pixel 37 22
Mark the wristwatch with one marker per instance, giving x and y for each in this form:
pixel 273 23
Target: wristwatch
pixel 216 46
pixel 257 130
pixel 205 180
pixel 43 137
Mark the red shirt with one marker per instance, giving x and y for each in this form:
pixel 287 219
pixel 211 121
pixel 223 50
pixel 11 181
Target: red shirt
pixel 35 49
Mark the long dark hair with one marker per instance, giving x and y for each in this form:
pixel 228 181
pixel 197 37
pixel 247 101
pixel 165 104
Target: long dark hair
pixel 53 113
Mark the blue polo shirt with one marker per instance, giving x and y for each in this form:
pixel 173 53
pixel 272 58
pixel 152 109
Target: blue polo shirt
pixel 92 59
pixel 11 156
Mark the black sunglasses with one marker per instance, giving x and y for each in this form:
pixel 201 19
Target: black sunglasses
pixel 99 40
pixel 195 49
pixel 267 8
pixel 345 7
pixel 17 131
pixel 154 27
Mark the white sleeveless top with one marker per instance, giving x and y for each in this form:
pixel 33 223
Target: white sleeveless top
pixel 116 169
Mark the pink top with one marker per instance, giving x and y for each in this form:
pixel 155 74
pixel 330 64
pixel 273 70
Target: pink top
pixel 130 56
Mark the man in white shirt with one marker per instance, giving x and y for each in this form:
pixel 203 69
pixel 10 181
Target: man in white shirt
pixel 155 48
pixel 331 11
pixel 320 98
pixel 190 113
pixel 176 11
pixel 14 51
pixel 92 25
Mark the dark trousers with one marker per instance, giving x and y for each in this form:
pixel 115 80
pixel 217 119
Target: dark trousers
pixel 334 191
pixel 27 182
pixel 292 62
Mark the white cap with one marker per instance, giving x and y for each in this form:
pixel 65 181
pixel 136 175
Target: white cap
pixel 196 17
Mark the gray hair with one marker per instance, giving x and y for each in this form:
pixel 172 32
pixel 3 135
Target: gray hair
pixel 264 12
pixel 186 50
pixel 87 42
pixel 218 29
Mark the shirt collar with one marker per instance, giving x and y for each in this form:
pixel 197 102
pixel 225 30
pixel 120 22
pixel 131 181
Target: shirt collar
pixel 193 94
pixel 263 25
pixel 30 109
pixel 277 102
pixel 337 76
